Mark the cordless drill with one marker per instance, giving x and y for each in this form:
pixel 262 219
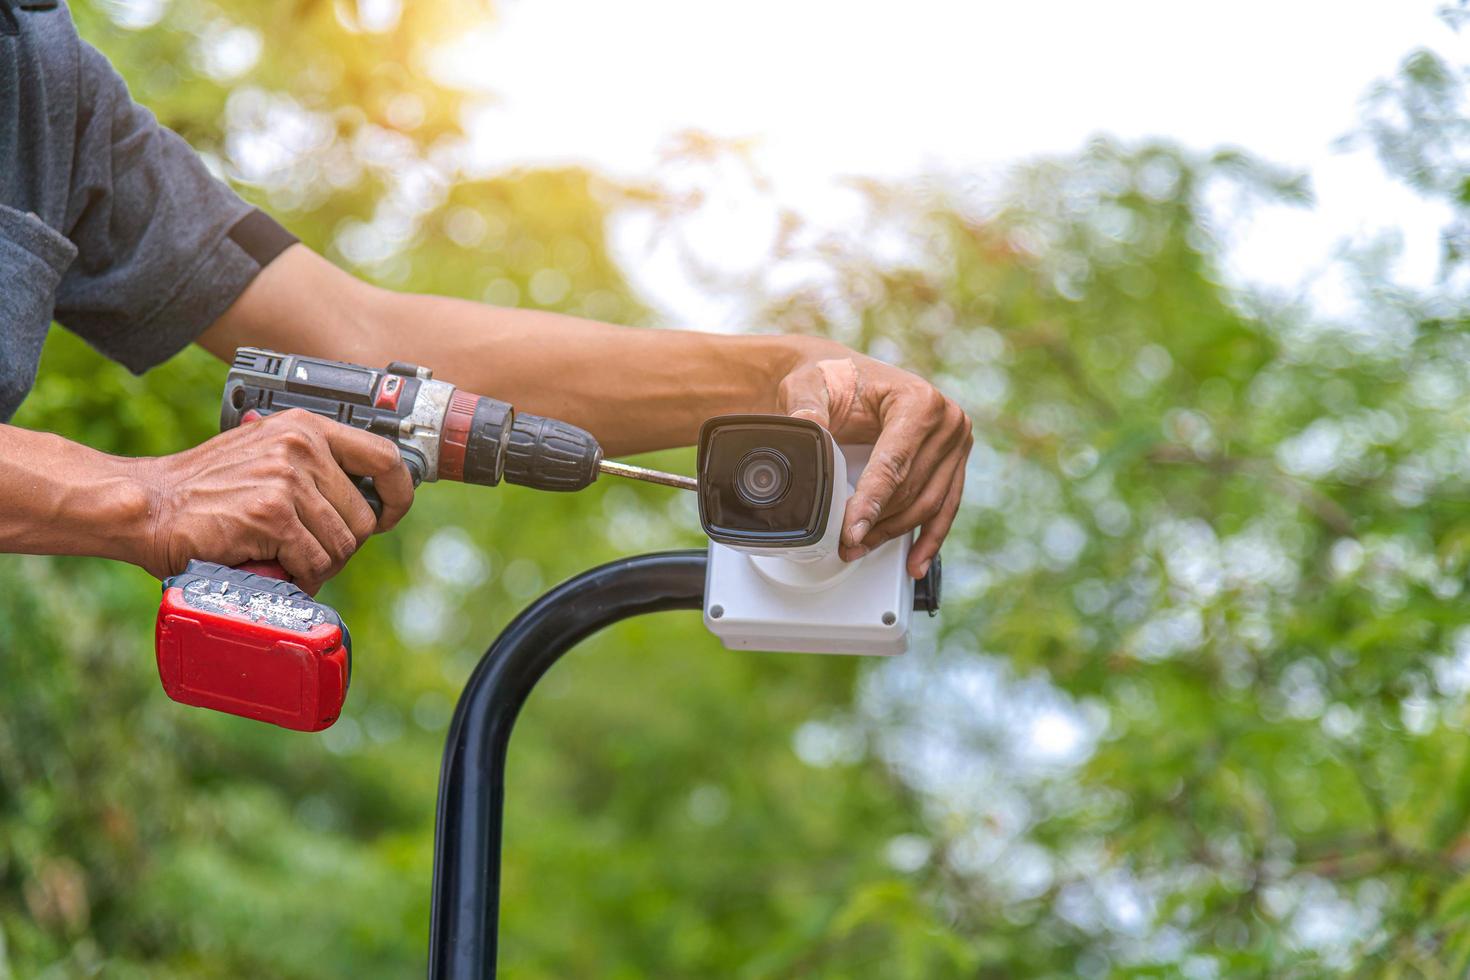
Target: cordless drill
pixel 247 642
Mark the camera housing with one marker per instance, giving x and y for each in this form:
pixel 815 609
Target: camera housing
pixel 772 493
pixel 771 485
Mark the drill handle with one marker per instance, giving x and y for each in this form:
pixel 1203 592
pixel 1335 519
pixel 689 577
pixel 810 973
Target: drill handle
pixel 364 486
pixel 370 492
pixel 270 568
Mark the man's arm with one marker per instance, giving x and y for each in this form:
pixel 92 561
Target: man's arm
pixel 66 499
pixel 634 389
pixel 637 390
pixel 271 490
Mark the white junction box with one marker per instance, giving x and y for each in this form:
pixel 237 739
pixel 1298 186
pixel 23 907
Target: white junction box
pixel 760 602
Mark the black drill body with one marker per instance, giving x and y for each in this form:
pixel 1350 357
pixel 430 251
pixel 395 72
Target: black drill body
pixel 441 431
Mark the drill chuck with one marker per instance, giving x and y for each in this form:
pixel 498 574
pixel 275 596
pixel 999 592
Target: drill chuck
pixel 548 454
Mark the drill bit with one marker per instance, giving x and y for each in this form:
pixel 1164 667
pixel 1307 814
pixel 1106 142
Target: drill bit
pixel 615 468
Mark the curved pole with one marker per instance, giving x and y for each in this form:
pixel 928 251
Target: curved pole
pixel 466 900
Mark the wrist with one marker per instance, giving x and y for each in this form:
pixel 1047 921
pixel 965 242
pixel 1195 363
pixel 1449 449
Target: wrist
pixel 803 350
pixel 781 354
pixel 122 509
pixel 62 498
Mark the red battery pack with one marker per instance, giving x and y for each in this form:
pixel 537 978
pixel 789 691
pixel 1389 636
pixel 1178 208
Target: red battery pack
pixel 252 646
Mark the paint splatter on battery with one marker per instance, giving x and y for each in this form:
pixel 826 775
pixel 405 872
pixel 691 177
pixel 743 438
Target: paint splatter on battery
pixel 260 607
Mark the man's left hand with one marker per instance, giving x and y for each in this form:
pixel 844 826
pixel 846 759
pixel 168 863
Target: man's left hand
pixel 920 439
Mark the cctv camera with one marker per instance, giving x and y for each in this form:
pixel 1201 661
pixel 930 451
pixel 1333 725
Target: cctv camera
pixel 771 485
pixel 772 493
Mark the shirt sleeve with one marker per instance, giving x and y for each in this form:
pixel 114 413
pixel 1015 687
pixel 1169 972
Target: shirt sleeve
pixel 163 247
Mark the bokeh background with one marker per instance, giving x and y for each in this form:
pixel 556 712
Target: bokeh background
pixel 1196 705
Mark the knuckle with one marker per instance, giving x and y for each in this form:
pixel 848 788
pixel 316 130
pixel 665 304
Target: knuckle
pixel 903 498
pixel 896 466
pixel 279 507
pixel 271 510
pixel 294 442
pixel 257 507
pixel 388 457
pixel 377 452
pixel 930 505
pixel 794 386
pixel 319 564
pixel 872 510
pixel 281 469
pixel 344 544
pixel 363 523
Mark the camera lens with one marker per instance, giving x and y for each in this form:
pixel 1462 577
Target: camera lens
pixel 762 477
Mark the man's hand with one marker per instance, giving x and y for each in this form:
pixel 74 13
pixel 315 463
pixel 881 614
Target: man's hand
pixel 921 441
pixel 273 489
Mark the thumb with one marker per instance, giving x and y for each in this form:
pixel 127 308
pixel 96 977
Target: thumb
pixel 804 393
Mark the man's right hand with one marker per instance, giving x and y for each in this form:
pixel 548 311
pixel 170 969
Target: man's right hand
pixel 274 489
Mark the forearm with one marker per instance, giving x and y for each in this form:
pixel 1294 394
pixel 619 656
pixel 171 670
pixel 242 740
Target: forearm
pixel 61 498
pixel 635 389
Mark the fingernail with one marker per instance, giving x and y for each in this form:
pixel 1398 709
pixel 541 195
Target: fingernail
pixel 858 532
pixel 924 568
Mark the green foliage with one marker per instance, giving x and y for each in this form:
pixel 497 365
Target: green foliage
pixel 1196 704
pixel 1236 537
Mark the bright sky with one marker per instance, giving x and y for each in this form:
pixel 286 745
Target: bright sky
pixel 831 89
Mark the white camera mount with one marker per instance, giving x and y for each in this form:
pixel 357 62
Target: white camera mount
pixel 818 605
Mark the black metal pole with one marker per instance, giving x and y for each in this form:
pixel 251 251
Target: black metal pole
pixel 466 900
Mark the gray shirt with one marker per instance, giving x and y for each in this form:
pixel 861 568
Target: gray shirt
pixel 109 222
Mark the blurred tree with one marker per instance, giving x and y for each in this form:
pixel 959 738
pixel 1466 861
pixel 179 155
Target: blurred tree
pixel 1232 535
